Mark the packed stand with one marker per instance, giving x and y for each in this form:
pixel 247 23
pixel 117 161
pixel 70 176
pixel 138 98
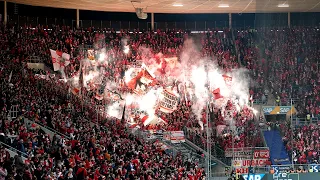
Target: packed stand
pixel 91 153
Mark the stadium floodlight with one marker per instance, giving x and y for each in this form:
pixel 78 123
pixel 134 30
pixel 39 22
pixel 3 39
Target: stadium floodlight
pixel 223 5
pixel 283 5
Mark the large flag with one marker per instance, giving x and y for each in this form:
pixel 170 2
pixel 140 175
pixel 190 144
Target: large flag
pixel 169 101
pixel 141 82
pixel 216 94
pixel 59 59
pixel 146 120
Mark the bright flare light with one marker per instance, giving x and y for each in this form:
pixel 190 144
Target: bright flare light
pixel 177 5
pixel 126 49
pixel 102 56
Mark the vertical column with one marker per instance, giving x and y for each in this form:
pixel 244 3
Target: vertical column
pixel 289 20
pixel 78 18
pixel 152 21
pixel 230 20
pixel 5 14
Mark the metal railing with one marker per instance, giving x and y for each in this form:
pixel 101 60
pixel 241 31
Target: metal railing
pixel 34 59
pixel 25 155
pixel 304 121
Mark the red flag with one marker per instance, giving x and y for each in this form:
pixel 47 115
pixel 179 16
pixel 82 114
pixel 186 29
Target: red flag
pixel 141 82
pixel 216 94
pixel 75 91
pixel 144 118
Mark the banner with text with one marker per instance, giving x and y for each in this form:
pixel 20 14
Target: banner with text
pixel 168 103
pixel 274 110
pixel 249 162
pixel 248 152
pixel 174 136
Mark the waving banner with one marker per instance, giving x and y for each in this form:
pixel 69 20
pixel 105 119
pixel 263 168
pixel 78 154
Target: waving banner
pixel 91 54
pixel 168 102
pixel 140 83
pixel 227 79
pixel 172 62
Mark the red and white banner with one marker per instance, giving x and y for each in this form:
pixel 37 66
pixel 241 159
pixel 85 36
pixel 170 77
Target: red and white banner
pixel 171 62
pixel 174 136
pixel 261 154
pixel 146 120
pixel 91 54
pixel 248 153
pixel 243 170
pixel 216 94
pixel 248 162
pixel 59 59
pixel 141 82
pixel 227 79
pixel 168 101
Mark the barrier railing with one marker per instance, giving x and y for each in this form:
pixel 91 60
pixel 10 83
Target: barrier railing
pixel 34 59
pixel 14 149
pixel 304 121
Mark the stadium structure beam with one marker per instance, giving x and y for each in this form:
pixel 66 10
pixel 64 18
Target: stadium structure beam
pixel 152 21
pixel 230 20
pixel 78 18
pixel 5 16
pixel 289 20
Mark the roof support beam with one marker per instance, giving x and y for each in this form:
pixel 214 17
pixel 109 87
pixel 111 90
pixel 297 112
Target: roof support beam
pixel 230 21
pixel 152 21
pixel 289 20
pixel 78 18
pixel 5 16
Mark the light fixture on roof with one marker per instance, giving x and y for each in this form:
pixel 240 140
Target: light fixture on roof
pixel 177 5
pixel 223 5
pixel 283 5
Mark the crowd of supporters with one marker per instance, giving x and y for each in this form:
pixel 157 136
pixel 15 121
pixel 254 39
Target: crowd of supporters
pixel 90 151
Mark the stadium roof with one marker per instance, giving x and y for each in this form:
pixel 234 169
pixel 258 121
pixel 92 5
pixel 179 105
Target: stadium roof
pixel 183 6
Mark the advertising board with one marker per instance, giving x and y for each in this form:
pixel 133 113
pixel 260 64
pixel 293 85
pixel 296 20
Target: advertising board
pixel 249 152
pixel 249 162
pixel 273 110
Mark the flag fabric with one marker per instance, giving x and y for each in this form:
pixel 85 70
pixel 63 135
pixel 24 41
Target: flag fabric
pixel 75 91
pixel 10 76
pixel 171 62
pixel 227 79
pixel 91 54
pixel 216 94
pixel 59 59
pixel 141 82
pixel 146 120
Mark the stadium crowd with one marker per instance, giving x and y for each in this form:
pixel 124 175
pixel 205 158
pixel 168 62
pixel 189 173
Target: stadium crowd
pixel 90 151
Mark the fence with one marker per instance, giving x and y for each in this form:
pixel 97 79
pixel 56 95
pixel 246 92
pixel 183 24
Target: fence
pixel 34 59
pixel 13 113
pixel 304 121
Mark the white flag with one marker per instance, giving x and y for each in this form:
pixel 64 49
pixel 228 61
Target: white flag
pixel 10 76
pixel 59 59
